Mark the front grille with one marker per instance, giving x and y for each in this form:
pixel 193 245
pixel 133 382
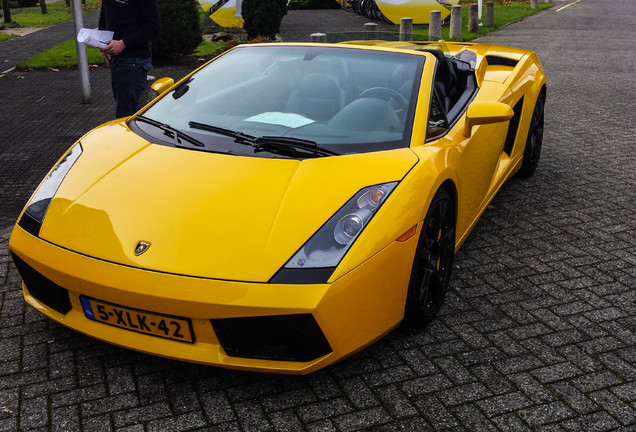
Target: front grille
pixel 44 290
pixel 280 337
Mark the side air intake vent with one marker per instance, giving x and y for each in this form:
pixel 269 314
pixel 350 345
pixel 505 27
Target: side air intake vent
pixel 513 126
pixel 44 290
pixel 501 61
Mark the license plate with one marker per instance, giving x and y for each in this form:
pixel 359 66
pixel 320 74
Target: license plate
pixel 165 326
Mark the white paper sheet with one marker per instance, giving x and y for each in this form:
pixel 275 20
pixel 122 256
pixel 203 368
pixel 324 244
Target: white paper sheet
pixel 93 37
pixel 289 120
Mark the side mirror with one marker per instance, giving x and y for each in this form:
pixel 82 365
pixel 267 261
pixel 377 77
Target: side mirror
pixel 162 84
pixel 485 113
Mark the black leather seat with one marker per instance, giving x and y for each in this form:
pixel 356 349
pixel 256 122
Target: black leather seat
pixel 318 97
pixel 445 80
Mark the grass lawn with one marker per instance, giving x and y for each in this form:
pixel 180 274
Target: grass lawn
pixel 57 12
pixel 4 37
pixel 505 13
pixel 209 48
pixel 38 19
pixel 59 5
pixel 64 54
pixel 60 55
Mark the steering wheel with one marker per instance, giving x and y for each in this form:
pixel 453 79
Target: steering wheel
pixel 387 94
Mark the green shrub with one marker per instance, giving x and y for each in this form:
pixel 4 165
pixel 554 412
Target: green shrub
pixel 263 17
pixel 180 31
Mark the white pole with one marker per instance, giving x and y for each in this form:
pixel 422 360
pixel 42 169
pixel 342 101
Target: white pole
pixel 479 2
pixel 80 48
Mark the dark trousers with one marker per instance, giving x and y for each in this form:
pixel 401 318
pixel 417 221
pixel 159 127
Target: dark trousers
pixel 128 79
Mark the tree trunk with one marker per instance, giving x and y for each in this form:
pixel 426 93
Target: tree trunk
pixel 43 6
pixel 6 11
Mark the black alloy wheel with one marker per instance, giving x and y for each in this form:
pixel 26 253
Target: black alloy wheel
pixel 433 262
pixel 534 141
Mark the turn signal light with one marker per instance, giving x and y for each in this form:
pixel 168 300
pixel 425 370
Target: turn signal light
pixel 407 235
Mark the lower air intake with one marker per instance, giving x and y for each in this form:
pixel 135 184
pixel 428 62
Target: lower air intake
pixel 279 337
pixel 44 290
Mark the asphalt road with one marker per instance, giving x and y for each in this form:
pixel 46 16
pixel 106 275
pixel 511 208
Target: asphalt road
pixel 539 329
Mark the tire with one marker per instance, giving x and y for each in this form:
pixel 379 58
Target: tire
pixel 433 262
pixel 532 151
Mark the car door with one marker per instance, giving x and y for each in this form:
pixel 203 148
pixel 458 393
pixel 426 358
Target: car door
pixel 478 156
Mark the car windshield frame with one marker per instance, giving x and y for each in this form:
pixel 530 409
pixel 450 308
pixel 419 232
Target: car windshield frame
pixel 286 91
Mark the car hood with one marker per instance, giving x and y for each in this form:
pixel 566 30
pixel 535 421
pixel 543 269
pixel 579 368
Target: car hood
pixel 203 214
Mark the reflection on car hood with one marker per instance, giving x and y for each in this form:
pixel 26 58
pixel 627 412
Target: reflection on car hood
pixel 204 214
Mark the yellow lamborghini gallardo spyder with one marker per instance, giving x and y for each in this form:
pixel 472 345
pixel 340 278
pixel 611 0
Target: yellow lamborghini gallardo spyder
pixel 283 206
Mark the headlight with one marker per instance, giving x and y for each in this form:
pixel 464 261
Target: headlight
pixel 37 207
pixel 327 247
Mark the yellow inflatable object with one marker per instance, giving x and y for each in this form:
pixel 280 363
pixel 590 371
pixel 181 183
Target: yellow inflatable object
pixel 225 13
pixel 419 10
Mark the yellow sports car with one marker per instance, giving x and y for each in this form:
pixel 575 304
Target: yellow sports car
pixel 283 206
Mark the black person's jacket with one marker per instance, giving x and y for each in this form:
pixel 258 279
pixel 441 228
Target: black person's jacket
pixel 135 22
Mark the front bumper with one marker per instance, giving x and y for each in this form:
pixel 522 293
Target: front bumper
pixel 348 314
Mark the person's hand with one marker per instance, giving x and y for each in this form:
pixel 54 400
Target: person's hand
pixel 106 57
pixel 113 47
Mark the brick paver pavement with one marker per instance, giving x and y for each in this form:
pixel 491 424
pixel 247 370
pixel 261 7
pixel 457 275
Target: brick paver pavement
pixel 539 329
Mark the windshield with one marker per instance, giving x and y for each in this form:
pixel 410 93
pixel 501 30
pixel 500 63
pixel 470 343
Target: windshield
pixel 342 99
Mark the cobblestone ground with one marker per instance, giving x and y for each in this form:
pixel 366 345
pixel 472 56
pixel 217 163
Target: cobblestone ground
pixel 539 328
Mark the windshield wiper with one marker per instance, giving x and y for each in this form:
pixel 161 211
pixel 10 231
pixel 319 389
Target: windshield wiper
pixel 273 143
pixel 171 132
pixel 239 137
pixel 296 147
